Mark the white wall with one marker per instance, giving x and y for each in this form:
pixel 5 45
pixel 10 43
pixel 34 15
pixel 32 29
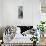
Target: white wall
pixel 1 11
pixel 31 12
pixel 36 12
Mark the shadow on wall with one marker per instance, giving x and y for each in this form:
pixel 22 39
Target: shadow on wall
pixel 1 32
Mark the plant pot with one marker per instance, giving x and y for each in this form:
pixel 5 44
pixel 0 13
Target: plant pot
pixel 34 43
pixel 42 34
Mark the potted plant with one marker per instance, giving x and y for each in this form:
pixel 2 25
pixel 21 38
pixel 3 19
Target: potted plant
pixel 34 39
pixel 41 27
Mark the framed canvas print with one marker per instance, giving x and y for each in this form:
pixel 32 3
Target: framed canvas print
pixel 20 12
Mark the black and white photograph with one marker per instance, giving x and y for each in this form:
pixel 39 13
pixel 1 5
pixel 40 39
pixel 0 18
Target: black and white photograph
pixel 20 12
